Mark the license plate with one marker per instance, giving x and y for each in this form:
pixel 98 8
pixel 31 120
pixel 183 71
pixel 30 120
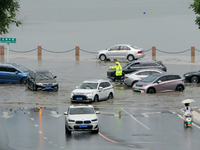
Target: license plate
pixel 83 126
pixel 137 90
pixel 79 98
pixel 47 88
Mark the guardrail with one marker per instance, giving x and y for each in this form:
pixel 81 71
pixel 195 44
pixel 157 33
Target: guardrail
pixel 77 50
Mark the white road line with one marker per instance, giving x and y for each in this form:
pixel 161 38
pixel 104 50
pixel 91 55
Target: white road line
pixel 145 114
pixel 45 138
pixel 40 132
pixel 136 119
pixel 28 113
pixel 36 125
pixel 50 142
pixel 32 118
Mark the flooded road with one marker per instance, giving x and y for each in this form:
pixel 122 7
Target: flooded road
pixel 71 73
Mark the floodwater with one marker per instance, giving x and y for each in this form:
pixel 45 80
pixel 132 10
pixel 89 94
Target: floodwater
pixel 94 25
pixel 71 73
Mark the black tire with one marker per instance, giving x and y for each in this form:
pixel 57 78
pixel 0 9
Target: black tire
pixel 96 98
pixel 110 96
pixel 151 91
pixel 130 58
pixel 34 87
pixel 179 88
pixel 95 131
pixel 194 79
pixel 186 125
pixel 68 131
pixel 102 57
pixel 56 89
pixel 23 81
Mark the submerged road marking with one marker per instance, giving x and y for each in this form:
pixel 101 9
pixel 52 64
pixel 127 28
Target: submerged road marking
pixel 136 119
pixel 36 125
pixel 32 118
pixel 107 138
pixel 145 114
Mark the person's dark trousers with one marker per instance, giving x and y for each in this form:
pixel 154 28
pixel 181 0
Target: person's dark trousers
pixel 118 79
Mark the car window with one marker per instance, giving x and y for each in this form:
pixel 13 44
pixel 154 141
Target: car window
pixel 107 84
pixel 11 69
pixel 75 111
pixel 155 72
pixel 114 48
pixel 86 85
pixel 124 48
pixel 144 73
pixel 173 77
pixel 2 68
pixel 165 78
pixel 22 68
pixel 150 78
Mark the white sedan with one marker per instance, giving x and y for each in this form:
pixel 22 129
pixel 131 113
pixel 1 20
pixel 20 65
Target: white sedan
pixel 132 78
pixel 121 51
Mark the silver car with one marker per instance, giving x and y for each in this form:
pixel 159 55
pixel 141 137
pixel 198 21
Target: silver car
pixel 159 83
pixel 81 118
pixel 132 78
pixel 121 51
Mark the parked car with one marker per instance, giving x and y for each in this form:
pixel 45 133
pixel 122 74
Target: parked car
pixel 159 83
pixel 121 51
pixel 132 78
pixel 92 91
pixel 81 118
pixel 192 77
pixel 41 80
pixel 137 65
pixel 13 73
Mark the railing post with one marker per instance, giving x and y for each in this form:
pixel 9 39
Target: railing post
pixel 39 52
pixel 2 53
pixel 77 53
pixel 153 52
pixel 192 54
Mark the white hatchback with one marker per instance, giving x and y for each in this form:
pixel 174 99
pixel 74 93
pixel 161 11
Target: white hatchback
pixel 121 51
pixel 92 91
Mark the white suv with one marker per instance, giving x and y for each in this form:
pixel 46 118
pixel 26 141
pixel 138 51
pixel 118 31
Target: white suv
pixel 81 118
pixel 92 91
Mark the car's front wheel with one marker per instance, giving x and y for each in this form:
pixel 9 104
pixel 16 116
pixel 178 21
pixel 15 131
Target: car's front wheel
pixel 102 57
pixel 194 79
pixel 151 91
pixel 95 131
pixel 23 81
pixel 96 98
pixel 130 57
pixel 67 130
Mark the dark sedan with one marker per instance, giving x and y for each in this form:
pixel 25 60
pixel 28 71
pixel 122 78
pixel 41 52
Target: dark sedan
pixel 137 65
pixel 41 80
pixel 192 77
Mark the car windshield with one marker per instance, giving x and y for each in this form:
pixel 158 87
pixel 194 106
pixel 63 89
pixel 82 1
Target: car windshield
pixel 126 65
pixel 86 85
pixel 150 78
pixel 43 75
pixel 22 68
pixel 75 111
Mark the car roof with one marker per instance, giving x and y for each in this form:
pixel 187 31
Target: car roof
pixel 150 69
pixel 123 45
pixel 9 64
pixel 96 80
pixel 159 75
pixel 81 106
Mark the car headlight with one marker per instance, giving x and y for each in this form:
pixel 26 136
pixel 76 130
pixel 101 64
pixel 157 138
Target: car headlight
pixel 39 83
pixel 89 93
pixel 70 120
pixel 72 94
pixel 95 119
pixel 186 75
pixel 143 85
pixel 55 83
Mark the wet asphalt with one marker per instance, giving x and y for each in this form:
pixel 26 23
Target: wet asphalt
pixel 147 121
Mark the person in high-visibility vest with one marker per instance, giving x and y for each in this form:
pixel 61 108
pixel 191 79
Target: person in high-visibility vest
pixel 118 72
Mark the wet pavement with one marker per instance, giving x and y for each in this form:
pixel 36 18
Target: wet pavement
pixel 146 122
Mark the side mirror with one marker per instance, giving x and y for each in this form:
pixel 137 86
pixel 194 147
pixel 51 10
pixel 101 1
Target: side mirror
pixel 97 112
pixel 16 72
pixel 55 77
pixel 159 81
pixel 100 88
pixel 76 87
pixel 65 113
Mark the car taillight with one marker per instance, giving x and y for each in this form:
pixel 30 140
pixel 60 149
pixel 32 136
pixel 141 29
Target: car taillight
pixel 139 52
pixel 126 77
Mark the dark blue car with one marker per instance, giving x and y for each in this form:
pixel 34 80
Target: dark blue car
pixel 13 73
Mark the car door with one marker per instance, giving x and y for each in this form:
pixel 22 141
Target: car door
pixel 102 93
pixel 123 51
pixel 172 82
pixel 2 73
pixel 161 84
pixel 143 74
pixel 13 75
pixel 132 68
pixel 30 78
pixel 113 52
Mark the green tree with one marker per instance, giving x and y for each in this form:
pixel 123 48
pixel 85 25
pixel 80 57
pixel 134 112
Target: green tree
pixel 8 9
pixel 196 8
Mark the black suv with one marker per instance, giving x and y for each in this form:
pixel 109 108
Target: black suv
pixel 41 80
pixel 137 65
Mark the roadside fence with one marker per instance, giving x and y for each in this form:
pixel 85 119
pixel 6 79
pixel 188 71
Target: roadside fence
pixel 77 49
